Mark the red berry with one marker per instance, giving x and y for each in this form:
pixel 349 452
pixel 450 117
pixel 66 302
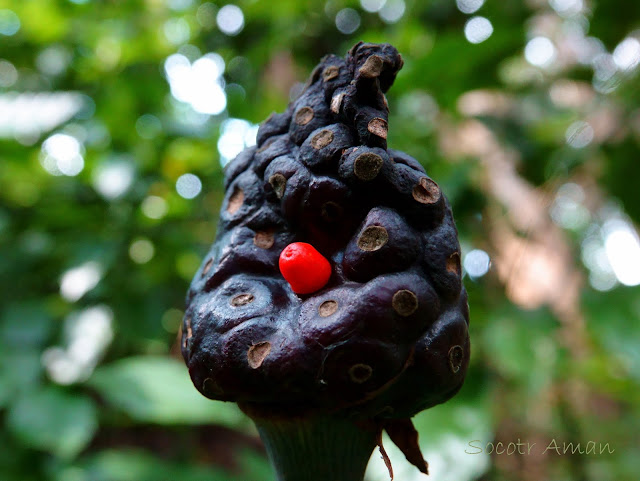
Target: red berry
pixel 304 268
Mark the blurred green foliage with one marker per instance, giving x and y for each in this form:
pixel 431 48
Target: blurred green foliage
pixel 94 265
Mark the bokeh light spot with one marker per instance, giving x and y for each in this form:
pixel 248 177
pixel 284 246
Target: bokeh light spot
pixel 567 7
pixel 179 4
pixel 200 84
pixel 9 23
pixel 154 207
pixel 230 20
pixel 141 251
pixel 469 6
pixel 8 74
pixel 567 209
pixel 62 155
pixel 623 251
pixel 478 29
pixel 88 333
pixel 540 52
pixel 176 31
pixel 347 20
pixel 372 5
pixel 476 263
pixel 235 136
pixel 579 134
pixel 626 55
pixel 392 11
pixel 113 178
pixel 53 60
pixel 188 186
pixel 76 282
pixel 206 15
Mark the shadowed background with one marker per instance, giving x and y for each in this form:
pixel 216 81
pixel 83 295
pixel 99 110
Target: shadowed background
pixel 116 118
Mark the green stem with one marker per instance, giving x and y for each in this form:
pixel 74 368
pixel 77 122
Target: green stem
pixel 318 448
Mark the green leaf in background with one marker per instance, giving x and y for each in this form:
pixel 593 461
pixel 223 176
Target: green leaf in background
pixel 158 390
pixel 25 324
pixel 115 465
pixel 5 391
pixel 53 420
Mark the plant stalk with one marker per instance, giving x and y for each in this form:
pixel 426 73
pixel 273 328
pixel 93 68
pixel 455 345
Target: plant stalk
pixel 318 448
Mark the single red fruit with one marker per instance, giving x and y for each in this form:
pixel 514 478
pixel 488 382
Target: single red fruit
pixel 304 268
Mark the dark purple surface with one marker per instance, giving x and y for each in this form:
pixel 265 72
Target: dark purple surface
pixel 366 356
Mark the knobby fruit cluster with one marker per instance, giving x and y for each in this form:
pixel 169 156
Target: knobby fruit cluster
pixel 378 325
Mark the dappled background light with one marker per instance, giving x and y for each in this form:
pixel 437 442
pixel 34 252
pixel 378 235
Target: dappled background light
pixel 230 20
pixel 9 23
pixel 154 207
pixel 87 334
pixel 347 20
pixel 62 155
pixel 469 6
pixel 141 250
pixel 372 6
pixel 476 263
pixel 188 186
pixel 540 52
pixel 112 178
pixel 77 281
pixel 478 29
pixel 199 83
pixel 235 136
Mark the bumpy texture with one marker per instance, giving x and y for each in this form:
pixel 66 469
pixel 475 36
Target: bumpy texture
pixel 387 336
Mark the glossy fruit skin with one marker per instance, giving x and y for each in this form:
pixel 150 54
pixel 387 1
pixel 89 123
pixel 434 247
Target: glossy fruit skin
pixel 372 316
pixel 304 268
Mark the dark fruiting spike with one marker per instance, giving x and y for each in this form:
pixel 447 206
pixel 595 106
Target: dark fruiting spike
pixel 327 308
pixel 211 389
pixel 360 373
pixel 403 158
pixel 189 335
pixel 361 323
pixel 372 67
pixel 264 239
pixel 266 145
pixel 279 184
pixel 276 124
pixel 257 354
pixel 373 238
pixel 304 116
pixel 322 139
pixel 324 146
pixel 336 102
pixel 236 200
pixel 456 355
pixel 378 126
pixel 426 191
pixel 242 300
pixel 367 165
pixel 404 302
pixel 276 147
pixel 207 267
pixel 331 211
pixel 453 263
pixel 330 73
